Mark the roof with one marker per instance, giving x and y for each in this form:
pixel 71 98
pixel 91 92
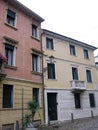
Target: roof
pixel 68 39
pixel 26 10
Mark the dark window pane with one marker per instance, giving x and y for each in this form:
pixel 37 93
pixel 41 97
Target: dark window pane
pixel 75 73
pixel 49 43
pixel 35 62
pixel 36 95
pixel 34 30
pixel 72 50
pixel 88 74
pixel 86 56
pixel 7 96
pixel 11 17
pixel 77 100
pixel 51 71
pixel 11 14
pixel 9 52
pixel 92 100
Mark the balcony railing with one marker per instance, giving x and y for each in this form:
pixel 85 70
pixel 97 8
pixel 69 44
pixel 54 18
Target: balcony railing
pixel 78 85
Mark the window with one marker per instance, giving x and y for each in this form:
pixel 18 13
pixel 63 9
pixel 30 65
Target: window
pixel 7 96
pixel 77 100
pixel 36 95
pixel 11 16
pixel 72 50
pixel 8 127
pixel 36 63
pixel 51 71
pixel 75 73
pixel 88 74
pixel 92 100
pixel 34 31
pixel 49 43
pixel 86 56
pixel 9 52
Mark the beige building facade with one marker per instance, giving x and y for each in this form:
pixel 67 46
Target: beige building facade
pixel 70 78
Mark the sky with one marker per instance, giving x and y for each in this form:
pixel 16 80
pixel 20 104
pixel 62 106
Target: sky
pixel 77 19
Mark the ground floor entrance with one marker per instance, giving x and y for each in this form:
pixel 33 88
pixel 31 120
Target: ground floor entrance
pixel 52 106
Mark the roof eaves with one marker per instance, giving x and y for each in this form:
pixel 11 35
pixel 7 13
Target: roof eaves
pixel 71 40
pixel 25 9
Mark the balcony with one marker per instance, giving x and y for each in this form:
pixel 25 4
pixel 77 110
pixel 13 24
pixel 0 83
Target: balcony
pixel 78 85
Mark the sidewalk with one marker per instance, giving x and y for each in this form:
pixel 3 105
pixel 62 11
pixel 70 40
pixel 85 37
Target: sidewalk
pixel 79 124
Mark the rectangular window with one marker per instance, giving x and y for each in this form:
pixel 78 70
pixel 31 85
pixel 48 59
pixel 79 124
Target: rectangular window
pixel 8 127
pixel 88 74
pixel 75 73
pixel 49 43
pixel 9 52
pixel 51 71
pixel 36 95
pixel 7 96
pixel 11 16
pixel 86 56
pixel 35 63
pixel 72 50
pixel 77 100
pixel 92 100
pixel 35 31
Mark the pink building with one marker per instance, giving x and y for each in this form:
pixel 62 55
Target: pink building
pixel 20 41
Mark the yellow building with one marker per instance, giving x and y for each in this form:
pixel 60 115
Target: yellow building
pixel 70 83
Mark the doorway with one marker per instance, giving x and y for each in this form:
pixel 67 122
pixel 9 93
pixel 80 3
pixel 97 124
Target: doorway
pixel 52 106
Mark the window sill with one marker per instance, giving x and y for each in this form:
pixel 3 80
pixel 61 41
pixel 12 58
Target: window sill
pixel 11 67
pixel 35 38
pixel 52 79
pixel 6 109
pixel 50 49
pixel 11 26
pixel 36 73
pixel 86 59
pixel 73 55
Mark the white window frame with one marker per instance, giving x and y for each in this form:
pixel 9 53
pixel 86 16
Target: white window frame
pixel 14 55
pixel 53 43
pixel 15 22
pixel 12 100
pixel 38 62
pixel 74 48
pixel 55 70
pixel 37 31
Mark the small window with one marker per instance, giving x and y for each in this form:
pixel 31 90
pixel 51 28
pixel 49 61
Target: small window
pixel 86 56
pixel 36 95
pixel 35 31
pixel 92 100
pixel 72 50
pixel 75 73
pixel 88 74
pixel 77 100
pixel 51 71
pixel 8 127
pixel 49 43
pixel 11 17
pixel 35 63
pixel 9 52
pixel 7 96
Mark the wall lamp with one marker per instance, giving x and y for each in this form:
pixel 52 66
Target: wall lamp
pixel 51 59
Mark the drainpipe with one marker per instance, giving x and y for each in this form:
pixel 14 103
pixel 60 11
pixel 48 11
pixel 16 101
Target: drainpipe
pixel 42 76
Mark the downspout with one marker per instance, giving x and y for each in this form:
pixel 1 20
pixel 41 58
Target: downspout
pixel 43 77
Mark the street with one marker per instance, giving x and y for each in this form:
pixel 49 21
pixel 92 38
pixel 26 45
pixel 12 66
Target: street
pixel 79 124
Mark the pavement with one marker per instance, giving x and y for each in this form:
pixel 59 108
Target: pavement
pixel 78 124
